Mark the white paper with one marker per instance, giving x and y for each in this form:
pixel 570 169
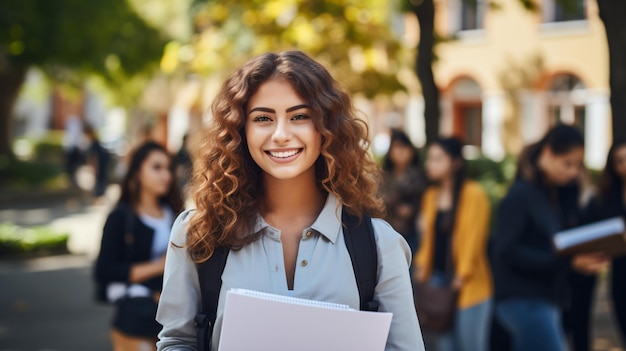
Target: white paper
pixel 590 232
pixel 259 321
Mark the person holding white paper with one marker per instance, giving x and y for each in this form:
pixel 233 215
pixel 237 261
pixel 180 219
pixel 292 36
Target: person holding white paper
pixel 609 202
pixel 283 155
pixel 530 279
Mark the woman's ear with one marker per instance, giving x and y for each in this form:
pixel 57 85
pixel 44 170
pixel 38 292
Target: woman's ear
pixel 546 157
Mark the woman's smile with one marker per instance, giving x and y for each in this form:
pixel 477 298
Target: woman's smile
pixel 284 155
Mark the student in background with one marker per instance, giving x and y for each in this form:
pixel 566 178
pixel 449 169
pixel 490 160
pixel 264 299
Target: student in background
pixel 73 147
pixel 530 280
pixel 183 166
pixel 609 202
pixel 134 241
pixel 98 158
pixel 455 211
pixel 403 186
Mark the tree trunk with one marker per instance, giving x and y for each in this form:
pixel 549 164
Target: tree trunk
pixel 11 79
pixel 612 14
pixel 425 12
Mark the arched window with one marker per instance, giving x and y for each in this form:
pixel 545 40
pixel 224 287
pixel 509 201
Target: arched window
pixel 467 109
pixel 566 97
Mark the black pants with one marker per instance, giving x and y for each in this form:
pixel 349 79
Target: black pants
pixel 618 293
pixel 577 313
pixel 577 318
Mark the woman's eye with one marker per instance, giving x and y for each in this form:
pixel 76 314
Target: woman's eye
pixel 262 119
pixel 299 117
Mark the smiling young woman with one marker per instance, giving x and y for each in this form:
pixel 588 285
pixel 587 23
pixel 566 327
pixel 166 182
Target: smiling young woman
pixel 282 157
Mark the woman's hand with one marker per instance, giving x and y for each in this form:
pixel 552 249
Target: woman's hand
pixel 404 211
pixel 457 283
pixel 419 274
pixel 140 272
pixel 591 263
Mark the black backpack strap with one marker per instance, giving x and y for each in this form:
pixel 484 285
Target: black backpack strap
pixel 361 243
pixel 210 278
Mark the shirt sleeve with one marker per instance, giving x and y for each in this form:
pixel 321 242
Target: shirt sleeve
pixel 393 291
pixel 111 265
pixel 477 209
pixel 180 298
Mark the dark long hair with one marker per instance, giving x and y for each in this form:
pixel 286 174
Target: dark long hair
pixel 611 184
pixel 561 139
pixel 454 149
pixel 398 136
pixel 131 189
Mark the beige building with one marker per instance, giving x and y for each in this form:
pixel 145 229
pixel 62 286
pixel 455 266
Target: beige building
pixel 510 73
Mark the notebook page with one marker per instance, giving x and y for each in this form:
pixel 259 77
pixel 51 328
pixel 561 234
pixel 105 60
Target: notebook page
pixel 289 299
pixel 589 232
pixel 277 324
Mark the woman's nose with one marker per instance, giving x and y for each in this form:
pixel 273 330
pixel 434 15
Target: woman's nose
pixel 282 132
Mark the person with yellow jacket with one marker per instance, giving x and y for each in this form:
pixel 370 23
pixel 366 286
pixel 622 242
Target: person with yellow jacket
pixel 455 211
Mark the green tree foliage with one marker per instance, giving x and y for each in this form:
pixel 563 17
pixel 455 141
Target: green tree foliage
pixel 104 37
pixel 353 38
pixel 68 39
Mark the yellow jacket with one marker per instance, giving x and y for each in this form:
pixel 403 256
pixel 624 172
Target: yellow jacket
pixel 469 242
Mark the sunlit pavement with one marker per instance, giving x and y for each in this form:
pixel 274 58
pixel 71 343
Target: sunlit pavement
pixel 47 303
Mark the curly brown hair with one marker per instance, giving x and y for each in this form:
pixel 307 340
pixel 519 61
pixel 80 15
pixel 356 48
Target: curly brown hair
pixel 227 182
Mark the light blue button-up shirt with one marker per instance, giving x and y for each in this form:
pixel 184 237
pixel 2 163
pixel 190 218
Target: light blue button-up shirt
pixel 323 272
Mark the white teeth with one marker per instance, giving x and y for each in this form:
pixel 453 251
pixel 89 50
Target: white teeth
pixel 283 154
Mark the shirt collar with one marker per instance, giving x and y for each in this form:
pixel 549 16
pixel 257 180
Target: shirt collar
pixel 328 222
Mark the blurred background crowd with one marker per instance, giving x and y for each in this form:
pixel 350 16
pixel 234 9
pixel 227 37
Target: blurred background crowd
pixel 465 101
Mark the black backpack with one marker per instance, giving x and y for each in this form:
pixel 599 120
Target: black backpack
pixel 361 245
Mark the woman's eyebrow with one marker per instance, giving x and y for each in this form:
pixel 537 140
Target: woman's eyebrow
pixel 270 110
pixel 297 107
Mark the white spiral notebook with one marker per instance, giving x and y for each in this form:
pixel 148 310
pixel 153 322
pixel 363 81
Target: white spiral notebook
pixel 259 321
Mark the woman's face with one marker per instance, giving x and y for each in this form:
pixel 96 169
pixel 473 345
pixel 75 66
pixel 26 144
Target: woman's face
pixel 561 169
pixel 439 164
pixel 282 138
pixel 619 162
pixel 155 175
pixel 400 154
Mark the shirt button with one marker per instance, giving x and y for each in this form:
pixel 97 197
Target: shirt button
pixel 304 263
pixel 309 233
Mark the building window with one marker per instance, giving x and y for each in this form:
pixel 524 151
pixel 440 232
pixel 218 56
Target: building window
pixel 466 15
pixel 467 110
pixel 472 14
pixel 566 101
pixel 563 11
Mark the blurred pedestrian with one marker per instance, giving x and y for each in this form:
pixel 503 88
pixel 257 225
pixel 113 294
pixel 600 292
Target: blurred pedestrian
pixel 134 241
pixel 454 225
pixel 283 158
pixel 403 186
pixel 530 279
pixel 609 202
pixel 73 147
pixel 183 166
pixel 98 158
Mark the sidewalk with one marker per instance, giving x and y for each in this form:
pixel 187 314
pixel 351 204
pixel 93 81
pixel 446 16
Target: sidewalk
pixel 66 213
